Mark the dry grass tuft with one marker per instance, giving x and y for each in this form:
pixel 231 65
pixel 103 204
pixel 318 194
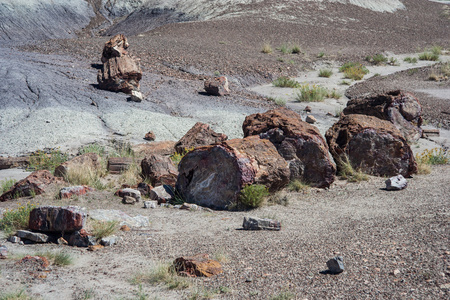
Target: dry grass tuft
pixel 84 174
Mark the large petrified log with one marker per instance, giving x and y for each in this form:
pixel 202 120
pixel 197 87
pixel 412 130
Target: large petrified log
pixel 399 107
pixel 373 145
pixel 213 176
pixel 199 135
pixel 298 142
pixel 57 219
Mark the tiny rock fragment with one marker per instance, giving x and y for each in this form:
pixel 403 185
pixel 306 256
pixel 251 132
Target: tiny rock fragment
pixel 336 265
pixel 310 119
pixel 150 204
pixel 109 240
pixel 3 252
pixel 62 241
pixel 396 272
pixel 307 108
pixel 125 228
pixel 150 136
pixel 396 183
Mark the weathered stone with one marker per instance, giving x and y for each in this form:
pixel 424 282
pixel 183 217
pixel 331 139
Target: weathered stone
pixel 13 162
pixel 125 228
pixel 95 247
pixel 129 192
pixel 144 188
pixel 399 107
pixel 150 204
pixel 217 86
pixel 199 135
pixel 109 240
pixel 41 261
pixel 117 165
pixel 307 108
pixel 115 47
pixel 213 176
pixel 251 223
pixel 117 215
pixel 120 74
pixel 150 136
pixel 33 184
pixel 396 183
pixel 81 239
pixel 310 119
pixel 128 200
pixel 336 265
pixel 68 192
pixel 197 266
pixel 372 145
pixel 159 170
pixel 33 236
pixel 57 219
pixel 298 142
pixel 190 206
pixel 3 252
pixel 62 241
pixel 14 239
pixel 87 160
pixel 136 96
pixel 160 194
pixel 158 148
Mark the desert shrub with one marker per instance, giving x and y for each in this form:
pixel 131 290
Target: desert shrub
pixel 162 272
pixel 121 149
pixel 253 195
pixel 354 71
pixel 101 229
pixel 393 61
pixel 297 186
pixel 17 295
pixel 41 160
pixel 267 48
pixel 58 258
pixel 84 174
pixel 284 49
pixel 347 172
pixel 93 148
pixel 334 94
pixel 436 50
pixel 321 54
pixel 325 73
pixel 6 184
pixel 15 219
pixel 284 81
pixel 435 156
pixel 177 157
pixel 132 175
pixel 278 198
pixel 378 59
pixel 283 295
pixel 429 56
pixel 311 93
pixel 296 49
pixel 411 60
pixel 445 69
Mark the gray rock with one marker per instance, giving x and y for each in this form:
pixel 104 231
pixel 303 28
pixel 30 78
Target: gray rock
pixel 336 265
pixel 79 239
pixel 14 239
pixel 252 223
pixel 3 252
pixel 128 200
pixel 33 236
pixel 109 240
pixel 396 183
pixel 160 194
pixel 132 193
pixel 150 204
pixel 136 96
pixel 117 215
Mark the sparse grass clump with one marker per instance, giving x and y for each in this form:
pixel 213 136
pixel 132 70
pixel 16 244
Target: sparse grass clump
pixel 177 157
pixel 15 219
pixel 131 176
pixel 221 256
pixel 354 71
pixel 435 156
pixel 378 59
pixel 297 186
pixel 101 229
pixel 6 184
pixel 296 49
pixel 18 295
pixel 436 50
pixel 41 160
pixel 253 195
pixel 311 93
pixel 347 172
pixel 285 49
pixel 284 81
pixel 284 295
pixel 429 56
pixel 411 60
pixel 445 69
pixel 84 174
pixel 59 258
pixel 93 148
pixel 267 48
pixel 325 73
pixel 334 94
pixel 278 101
pixel 321 54
pixel 163 273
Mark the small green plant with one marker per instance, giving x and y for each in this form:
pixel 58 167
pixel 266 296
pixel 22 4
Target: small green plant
pixel 354 71
pixel 285 49
pixel 297 186
pixel 429 56
pixel 253 195
pixel 164 273
pixel 177 157
pixel 393 61
pixel 101 229
pixel 345 82
pixel 334 94
pixel 411 60
pixel 325 73
pixel 284 295
pixel 435 156
pixel 216 73
pixel 41 160
pixel 278 101
pixel 436 50
pixel 280 59
pixel 6 184
pixel 221 256
pixel 267 48
pixel 378 59
pixel 412 71
pixel 16 219
pixel 284 81
pixel 321 54
pixel 18 295
pixel 347 172
pixel 311 93
pixel 445 69
pixel 59 258
pixel 278 198
pixel 93 148
pixel 296 49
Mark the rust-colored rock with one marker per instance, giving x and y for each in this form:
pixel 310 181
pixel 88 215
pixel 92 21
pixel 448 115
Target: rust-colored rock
pixel 57 219
pixel 158 148
pixel 199 135
pixel 87 160
pixel 197 266
pixel 115 47
pixel 373 145
pixel 217 86
pixel 298 142
pixel 214 175
pixel 150 136
pixel 159 170
pixel 119 74
pixel 68 192
pixel 33 184
pixel 399 107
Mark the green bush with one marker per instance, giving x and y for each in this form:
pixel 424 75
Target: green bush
pixel 16 219
pixel 93 148
pixel 6 184
pixel 411 60
pixel 253 195
pixel 296 49
pixel 378 59
pixel 267 48
pixel 101 229
pixel 284 81
pixel 429 56
pixel 311 93
pixel 325 73
pixel 41 160
pixel 354 71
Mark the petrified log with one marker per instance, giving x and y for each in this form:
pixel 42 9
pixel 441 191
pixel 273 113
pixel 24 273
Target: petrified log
pixel 298 142
pixel 119 74
pixel 13 162
pixel 217 86
pixel 159 170
pixel 213 176
pixel 115 47
pixel 373 145
pixel 399 107
pixel 57 219
pixel 117 165
pixel 199 135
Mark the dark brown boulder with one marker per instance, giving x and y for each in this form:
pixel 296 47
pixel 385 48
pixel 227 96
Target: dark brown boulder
pixel 214 175
pixel 57 219
pixel 399 107
pixel 159 170
pixel 197 266
pixel 115 47
pixel 33 184
pixel 373 145
pixel 217 86
pixel 119 74
pixel 298 142
pixel 199 135
pixel 90 160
